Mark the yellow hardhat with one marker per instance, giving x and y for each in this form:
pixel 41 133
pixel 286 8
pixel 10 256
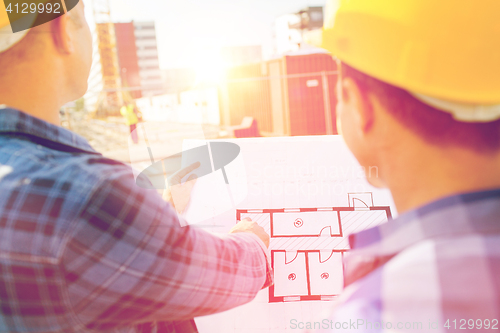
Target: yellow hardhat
pixel 8 38
pixel 4 18
pixel 445 52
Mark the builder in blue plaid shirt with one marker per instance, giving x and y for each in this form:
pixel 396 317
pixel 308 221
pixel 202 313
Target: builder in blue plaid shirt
pixel 82 247
pixel 419 93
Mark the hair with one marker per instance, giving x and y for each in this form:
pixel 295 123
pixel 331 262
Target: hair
pixel 434 126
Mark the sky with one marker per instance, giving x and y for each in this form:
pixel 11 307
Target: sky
pixel 188 29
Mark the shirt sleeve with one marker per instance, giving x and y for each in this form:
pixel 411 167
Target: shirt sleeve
pixel 128 260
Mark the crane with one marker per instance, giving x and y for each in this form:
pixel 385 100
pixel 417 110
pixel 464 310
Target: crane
pixel 111 97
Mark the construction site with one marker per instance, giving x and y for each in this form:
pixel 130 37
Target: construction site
pixel 256 166
pixel 290 94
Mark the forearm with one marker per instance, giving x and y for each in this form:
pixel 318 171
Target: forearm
pixel 223 272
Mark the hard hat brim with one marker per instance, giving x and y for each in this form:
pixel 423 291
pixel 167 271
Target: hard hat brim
pixel 9 38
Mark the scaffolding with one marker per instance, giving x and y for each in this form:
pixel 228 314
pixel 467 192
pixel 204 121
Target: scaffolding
pixel 110 99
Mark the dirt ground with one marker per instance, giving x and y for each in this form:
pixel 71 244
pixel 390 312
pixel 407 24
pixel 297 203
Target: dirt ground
pixel 111 136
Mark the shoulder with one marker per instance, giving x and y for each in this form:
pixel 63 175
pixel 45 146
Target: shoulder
pixel 44 177
pixel 45 191
pixel 450 278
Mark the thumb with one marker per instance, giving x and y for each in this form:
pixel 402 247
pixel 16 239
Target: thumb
pixel 191 178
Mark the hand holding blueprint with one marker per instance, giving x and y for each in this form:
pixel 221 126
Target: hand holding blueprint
pixel 309 194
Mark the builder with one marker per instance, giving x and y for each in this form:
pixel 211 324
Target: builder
pixel 81 246
pixel 419 98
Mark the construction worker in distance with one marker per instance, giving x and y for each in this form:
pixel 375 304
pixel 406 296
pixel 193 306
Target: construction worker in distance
pixel 419 101
pixel 82 247
pixel 128 111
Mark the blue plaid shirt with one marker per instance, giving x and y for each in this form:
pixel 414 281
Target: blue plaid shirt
pixel 434 269
pixel 83 248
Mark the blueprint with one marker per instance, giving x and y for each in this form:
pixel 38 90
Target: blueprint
pixel 309 194
pixel 307 245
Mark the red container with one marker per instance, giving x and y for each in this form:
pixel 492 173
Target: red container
pixel 310 78
pixel 288 96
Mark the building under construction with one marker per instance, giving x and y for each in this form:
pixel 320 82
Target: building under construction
pixel 126 64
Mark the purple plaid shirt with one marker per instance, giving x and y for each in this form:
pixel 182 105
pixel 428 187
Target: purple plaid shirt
pixel 434 269
pixel 83 248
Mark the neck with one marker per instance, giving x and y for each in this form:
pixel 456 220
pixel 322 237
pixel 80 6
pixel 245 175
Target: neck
pixel 427 173
pixel 33 89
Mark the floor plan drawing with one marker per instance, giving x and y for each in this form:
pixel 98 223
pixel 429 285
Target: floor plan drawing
pixel 305 223
pixel 307 245
pixel 309 194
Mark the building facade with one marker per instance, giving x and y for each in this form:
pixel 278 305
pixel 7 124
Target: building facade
pixel 127 58
pixel 138 59
pixel 147 57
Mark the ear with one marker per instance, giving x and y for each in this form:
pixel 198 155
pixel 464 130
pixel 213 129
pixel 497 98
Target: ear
pixel 359 102
pixel 63 34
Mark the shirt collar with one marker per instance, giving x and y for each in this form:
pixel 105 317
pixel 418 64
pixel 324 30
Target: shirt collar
pixel 467 213
pixel 16 122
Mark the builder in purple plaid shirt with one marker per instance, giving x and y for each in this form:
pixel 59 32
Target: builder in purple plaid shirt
pixel 419 99
pixel 82 247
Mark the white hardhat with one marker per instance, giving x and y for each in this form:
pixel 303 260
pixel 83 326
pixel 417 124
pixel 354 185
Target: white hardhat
pixel 23 23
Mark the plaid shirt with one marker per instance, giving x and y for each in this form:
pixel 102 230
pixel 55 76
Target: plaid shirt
pixel 83 248
pixel 430 270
